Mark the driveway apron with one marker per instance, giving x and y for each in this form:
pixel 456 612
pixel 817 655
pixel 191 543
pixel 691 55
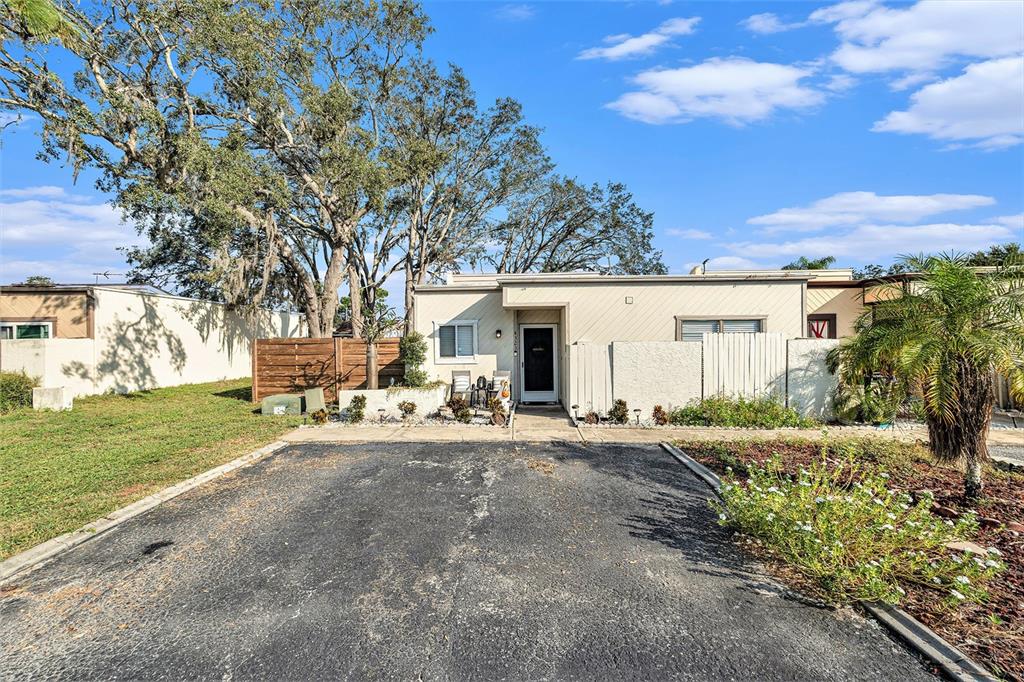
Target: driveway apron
pixel 431 561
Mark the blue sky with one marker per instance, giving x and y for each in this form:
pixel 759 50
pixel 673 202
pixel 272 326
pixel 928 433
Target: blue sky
pixel 756 132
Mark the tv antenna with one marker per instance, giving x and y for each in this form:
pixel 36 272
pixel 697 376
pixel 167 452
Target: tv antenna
pixel 106 275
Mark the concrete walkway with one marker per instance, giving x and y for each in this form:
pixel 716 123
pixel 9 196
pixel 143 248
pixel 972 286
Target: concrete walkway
pixel 543 424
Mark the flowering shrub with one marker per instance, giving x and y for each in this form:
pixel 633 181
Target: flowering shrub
pixel 844 530
pixel 407 407
pixel 761 413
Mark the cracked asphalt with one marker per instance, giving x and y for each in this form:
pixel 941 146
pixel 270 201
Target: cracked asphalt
pixel 431 561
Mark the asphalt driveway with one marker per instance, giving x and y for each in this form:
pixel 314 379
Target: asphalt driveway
pixel 436 561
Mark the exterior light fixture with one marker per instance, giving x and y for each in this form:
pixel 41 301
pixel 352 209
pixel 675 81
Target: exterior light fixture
pixel 637 413
pixel 576 411
pixel 380 411
pixel 497 333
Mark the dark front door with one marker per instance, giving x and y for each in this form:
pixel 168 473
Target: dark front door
pixel 538 364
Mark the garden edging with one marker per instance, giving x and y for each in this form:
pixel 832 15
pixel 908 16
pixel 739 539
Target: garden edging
pixel 923 640
pixel 30 559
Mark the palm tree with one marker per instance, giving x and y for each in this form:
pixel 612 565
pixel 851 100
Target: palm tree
pixel 41 20
pixel 804 263
pixel 945 334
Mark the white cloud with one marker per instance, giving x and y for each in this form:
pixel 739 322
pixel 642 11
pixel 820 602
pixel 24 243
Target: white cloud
pixel 44 191
pixel 983 106
pixel 14 119
pixel 513 12
pixel 735 89
pixel 851 208
pixel 840 82
pixel 879 242
pixel 1015 221
pixel 767 22
pixel 923 36
pixel 727 263
pixel 48 231
pixel 624 46
pixel 688 234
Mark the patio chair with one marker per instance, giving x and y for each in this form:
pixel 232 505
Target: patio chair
pixel 462 384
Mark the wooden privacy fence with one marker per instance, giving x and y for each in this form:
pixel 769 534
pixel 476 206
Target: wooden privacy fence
pixel 293 365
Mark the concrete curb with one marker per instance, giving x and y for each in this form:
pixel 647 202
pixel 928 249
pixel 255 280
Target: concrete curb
pixel 32 558
pixel 953 663
pixel 702 472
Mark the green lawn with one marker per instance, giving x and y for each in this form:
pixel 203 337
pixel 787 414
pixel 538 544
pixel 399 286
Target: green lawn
pixel 60 470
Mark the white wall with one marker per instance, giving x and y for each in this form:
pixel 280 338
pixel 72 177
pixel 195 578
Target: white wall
pixel 673 373
pixel 436 307
pixel 666 373
pixel 810 385
pixel 428 401
pixel 599 313
pixel 148 341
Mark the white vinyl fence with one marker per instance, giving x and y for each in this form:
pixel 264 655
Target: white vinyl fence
pixel 673 373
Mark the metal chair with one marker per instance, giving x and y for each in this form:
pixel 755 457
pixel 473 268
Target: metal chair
pixel 462 384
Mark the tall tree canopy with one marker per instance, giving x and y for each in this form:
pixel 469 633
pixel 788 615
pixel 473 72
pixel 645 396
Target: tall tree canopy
pixel 279 151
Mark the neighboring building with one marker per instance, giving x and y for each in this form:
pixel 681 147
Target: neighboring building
pixel 95 338
pixel 526 323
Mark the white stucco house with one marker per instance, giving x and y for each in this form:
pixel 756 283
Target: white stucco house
pixel 90 339
pixel 537 325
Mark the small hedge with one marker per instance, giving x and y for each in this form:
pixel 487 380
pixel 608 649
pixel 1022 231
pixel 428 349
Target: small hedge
pixel 758 413
pixel 852 537
pixel 16 390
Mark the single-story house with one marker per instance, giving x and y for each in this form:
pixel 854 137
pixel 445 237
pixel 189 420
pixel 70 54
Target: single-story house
pixel 527 323
pixel 95 338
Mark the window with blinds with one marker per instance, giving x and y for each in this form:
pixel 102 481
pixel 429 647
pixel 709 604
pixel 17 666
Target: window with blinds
pixel 694 330
pixel 456 340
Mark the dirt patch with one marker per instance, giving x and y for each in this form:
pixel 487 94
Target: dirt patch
pixel 992 633
pixel 544 467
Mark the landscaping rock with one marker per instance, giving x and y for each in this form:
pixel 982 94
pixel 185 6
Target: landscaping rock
pixel 59 398
pixel 966 546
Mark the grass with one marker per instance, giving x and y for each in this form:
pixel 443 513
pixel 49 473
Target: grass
pixel 60 470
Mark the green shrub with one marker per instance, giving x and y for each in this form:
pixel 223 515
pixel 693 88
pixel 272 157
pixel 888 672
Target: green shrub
pixel 592 417
pixel 659 415
pixel 760 413
pixel 319 417
pixel 407 408
pixel 460 409
pixel 16 390
pixel 619 412
pixel 851 536
pixel 412 351
pixel 357 409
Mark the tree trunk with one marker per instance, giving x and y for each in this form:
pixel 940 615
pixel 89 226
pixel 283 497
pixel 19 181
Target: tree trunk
pixel 961 436
pixel 355 296
pixel 408 295
pixel 371 366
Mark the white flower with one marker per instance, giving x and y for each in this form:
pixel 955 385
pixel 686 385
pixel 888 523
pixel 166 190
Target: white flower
pixel 957 558
pixel 838 544
pixel 991 564
pixel 900 590
pixel 819 499
pixel 956 594
pixel 936 580
pixel 904 506
pixel 722 517
pixel 948 522
pixel 888 526
pixel 884 475
pixel 771 516
pixel 891 516
pixel 806 484
pixel 993 550
pixel 963 580
pixel 878 501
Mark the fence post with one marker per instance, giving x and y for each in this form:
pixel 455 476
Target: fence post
pixel 338 349
pixel 255 369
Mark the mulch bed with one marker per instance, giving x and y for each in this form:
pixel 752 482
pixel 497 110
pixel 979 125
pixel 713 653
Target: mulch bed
pixel 993 633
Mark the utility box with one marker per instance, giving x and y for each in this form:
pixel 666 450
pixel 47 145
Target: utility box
pixel 315 400
pixel 59 398
pixel 281 404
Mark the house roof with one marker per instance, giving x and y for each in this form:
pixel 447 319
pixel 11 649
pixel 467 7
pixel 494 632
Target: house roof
pixel 494 281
